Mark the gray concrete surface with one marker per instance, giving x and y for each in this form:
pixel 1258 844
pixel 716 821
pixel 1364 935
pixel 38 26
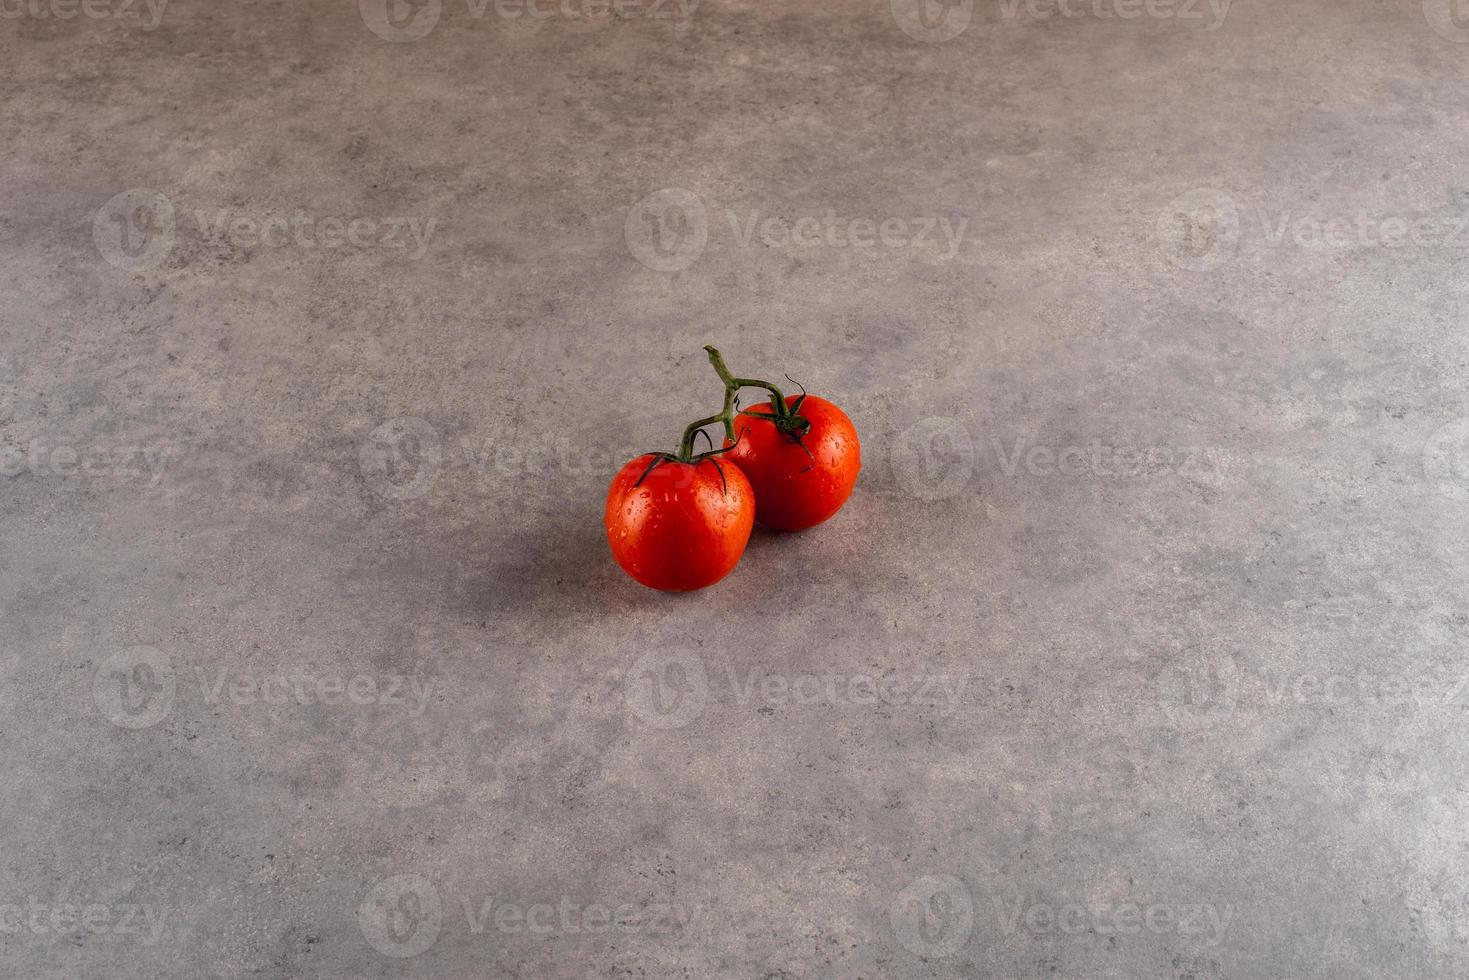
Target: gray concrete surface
pixel 1137 652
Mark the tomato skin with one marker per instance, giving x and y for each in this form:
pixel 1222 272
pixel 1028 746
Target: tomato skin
pixel 682 528
pixel 794 490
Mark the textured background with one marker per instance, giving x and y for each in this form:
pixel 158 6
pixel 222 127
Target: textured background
pixel 1138 650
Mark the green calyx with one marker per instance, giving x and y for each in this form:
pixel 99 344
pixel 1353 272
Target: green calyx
pixel 787 420
pixel 686 452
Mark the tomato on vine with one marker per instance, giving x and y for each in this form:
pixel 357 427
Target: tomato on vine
pixel 679 521
pixel 800 452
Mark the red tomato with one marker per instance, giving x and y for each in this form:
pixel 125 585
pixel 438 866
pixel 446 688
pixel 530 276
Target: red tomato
pixel 684 526
pixel 798 484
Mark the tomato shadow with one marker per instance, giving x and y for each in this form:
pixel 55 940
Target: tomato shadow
pixel 551 575
pixel 556 572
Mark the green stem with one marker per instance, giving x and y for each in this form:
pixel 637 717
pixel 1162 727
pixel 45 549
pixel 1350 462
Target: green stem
pixel 785 420
pixel 686 447
pixel 728 412
pixel 732 385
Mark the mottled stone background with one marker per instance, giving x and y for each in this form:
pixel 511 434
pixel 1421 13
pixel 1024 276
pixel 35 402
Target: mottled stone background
pixel 1138 651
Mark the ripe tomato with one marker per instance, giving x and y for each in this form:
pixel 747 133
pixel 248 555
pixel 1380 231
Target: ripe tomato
pixel 679 526
pixel 799 481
